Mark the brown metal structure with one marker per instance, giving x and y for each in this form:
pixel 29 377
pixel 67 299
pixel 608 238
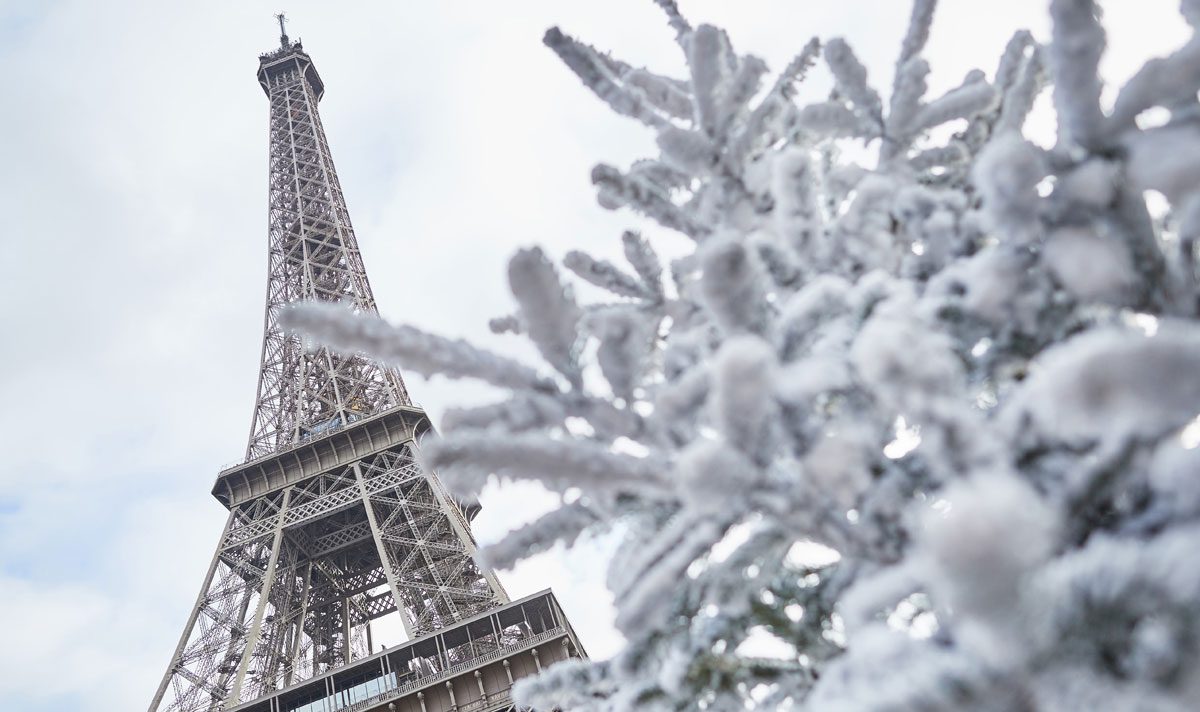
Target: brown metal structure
pixel 332 524
pixel 313 256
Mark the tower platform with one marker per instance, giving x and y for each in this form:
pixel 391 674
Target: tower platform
pixel 467 667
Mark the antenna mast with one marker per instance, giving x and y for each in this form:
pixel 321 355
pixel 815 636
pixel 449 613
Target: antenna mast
pixel 283 38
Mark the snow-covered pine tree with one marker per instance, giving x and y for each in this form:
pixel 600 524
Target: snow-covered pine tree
pixel 938 409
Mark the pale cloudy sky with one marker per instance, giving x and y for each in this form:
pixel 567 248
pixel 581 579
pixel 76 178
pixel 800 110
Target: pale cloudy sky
pixel 133 190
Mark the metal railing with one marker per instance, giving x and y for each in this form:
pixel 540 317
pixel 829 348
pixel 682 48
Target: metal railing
pixel 420 681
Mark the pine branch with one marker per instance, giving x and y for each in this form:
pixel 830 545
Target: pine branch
pixel 407 347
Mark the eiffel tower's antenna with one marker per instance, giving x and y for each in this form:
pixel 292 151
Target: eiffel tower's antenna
pixel 283 38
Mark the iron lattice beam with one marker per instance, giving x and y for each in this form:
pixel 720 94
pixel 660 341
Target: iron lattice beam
pixel 313 256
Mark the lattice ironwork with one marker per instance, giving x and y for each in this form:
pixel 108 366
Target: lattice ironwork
pixel 301 570
pixel 313 256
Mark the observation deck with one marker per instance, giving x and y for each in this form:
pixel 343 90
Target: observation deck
pixel 289 57
pixel 467 667
pixel 332 448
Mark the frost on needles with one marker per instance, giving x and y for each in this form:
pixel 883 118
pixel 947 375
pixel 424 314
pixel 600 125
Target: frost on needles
pixel 938 405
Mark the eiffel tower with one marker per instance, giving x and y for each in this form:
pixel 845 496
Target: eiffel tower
pixel 332 524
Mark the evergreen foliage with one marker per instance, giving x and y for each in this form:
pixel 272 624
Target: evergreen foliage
pixel 928 419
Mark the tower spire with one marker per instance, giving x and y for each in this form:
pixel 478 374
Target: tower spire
pixel 283 38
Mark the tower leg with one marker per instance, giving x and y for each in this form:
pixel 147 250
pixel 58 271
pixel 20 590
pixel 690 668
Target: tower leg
pixel 385 558
pixel 264 597
pixel 461 528
pixel 426 544
pixel 298 627
pixel 191 621
pixel 206 659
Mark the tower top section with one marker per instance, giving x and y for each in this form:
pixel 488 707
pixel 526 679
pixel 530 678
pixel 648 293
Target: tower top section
pixel 313 257
pixel 288 60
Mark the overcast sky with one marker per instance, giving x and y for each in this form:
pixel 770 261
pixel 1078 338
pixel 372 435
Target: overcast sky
pixel 133 195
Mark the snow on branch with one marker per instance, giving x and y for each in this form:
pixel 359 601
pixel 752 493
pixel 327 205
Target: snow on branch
pixel 1113 384
pixel 626 340
pixel 520 413
pixel 916 407
pixel 548 310
pixel 1021 92
pixel 468 458
pixel 617 190
pixel 909 90
pixel 959 103
pixel 1075 53
pixel 667 95
pixel 732 288
pixel 710 58
pixel 1015 55
pixel 833 120
pixel 851 78
pixel 675 19
pixel 644 261
pixel 917 35
pixel 508 324
pixel 743 395
pixel 596 72
pixel 603 274
pixel 785 84
pixel 1170 82
pixel 765 123
pixel 659 568
pixel 563 525
pixel 407 347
